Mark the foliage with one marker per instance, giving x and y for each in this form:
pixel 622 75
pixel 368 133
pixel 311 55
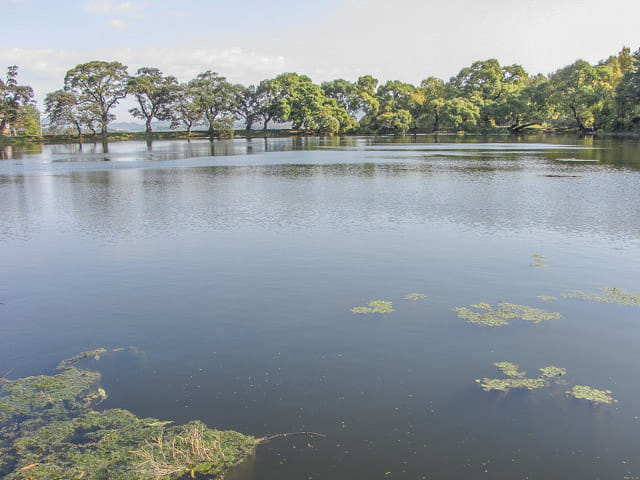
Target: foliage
pixel 499 316
pixel 185 109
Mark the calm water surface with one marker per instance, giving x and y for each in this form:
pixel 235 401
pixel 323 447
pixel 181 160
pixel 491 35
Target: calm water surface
pixel 232 267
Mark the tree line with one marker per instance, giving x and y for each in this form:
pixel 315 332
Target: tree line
pixel 484 96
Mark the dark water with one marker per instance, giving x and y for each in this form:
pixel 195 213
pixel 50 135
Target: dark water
pixel 232 268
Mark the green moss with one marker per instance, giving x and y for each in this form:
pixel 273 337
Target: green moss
pixel 49 430
pixel 414 296
pixel 517 380
pixel 375 306
pixel 591 394
pixel 497 317
pixel 609 295
pixel 547 298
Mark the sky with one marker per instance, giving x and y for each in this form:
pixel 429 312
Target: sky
pixel 251 40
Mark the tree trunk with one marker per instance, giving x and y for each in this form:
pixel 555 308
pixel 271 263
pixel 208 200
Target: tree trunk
pixel 249 123
pixel 266 122
pixel 577 117
pixel 147 125
pixel 436 122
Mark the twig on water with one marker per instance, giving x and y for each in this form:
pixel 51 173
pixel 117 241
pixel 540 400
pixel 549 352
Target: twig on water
pixel 285 435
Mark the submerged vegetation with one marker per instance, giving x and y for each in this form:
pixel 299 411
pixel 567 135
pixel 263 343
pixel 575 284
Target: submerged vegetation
pixel 50 430
pixel 499 316
pixel 517 380
pixel 375 306
pixel 609 295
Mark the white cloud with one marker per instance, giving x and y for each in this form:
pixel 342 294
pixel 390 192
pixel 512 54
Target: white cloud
pixel 118 24
pixel 99 6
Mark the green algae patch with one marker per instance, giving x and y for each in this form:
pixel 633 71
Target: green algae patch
pixel 49 429
pixel 516 379
pixel 547 298
pixel 375 306
pixel 609 295
pixel 414 296
pixel 538 260
pixel 509 369
pixel 500 316
pixel 598 397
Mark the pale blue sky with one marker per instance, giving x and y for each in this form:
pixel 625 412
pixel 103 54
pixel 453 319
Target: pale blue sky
pixel 251 40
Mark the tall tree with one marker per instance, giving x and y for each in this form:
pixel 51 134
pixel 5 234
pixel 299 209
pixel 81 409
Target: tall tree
pixel 628 95
pixel 583 92
pixel 214 97
pixel 185 110
pixel 247 102
pixel 12 97
pixel 154 94
pixel 99 87
pixel 62 111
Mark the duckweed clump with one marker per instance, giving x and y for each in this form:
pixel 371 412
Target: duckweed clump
pixel 415 296
pixel 50 430
pixel 499 316
pixel 609 295
pixel 517 380
pixel 592 394
pixel 375 306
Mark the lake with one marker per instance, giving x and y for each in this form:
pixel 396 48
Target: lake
pixel 232 267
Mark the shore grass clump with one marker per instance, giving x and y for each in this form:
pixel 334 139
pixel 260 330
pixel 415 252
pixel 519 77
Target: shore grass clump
pixel 516 379
pixel 415 296
pixel 49 429
pixel 500 316
pixel 375 306
pixel 592 394
pixel 609 295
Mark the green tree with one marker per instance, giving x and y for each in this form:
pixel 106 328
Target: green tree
pixel 398 121
pixel 214 96
pixel 185 109
pixel 62 111
pixel 154 93
pixel 628 95
pixel 433 93
pixel 28 120
pixel 12 98
pixel 247 104
pixel 460 114
pixel 99 86
pixel 583 92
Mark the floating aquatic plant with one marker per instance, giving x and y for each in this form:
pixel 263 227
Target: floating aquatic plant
pixel 538 260
pixel 547 298
pixel 609 295
pixel 375 306
pixel 517 380
pixel 49 430
pixel 592 394
pixel 497 317
pixel 414 296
